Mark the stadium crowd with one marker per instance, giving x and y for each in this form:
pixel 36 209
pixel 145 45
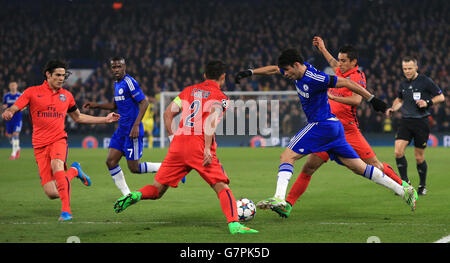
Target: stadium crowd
pixel 166 43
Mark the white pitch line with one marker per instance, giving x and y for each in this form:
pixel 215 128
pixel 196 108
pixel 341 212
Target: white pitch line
pixel 88 223
pixel 340 223
pixel 362 223
pixel 443 240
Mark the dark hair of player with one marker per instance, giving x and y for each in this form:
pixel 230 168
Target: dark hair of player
pixel 351 52
pixel 53 64
pixel 214 69
pixel 117 58
pixel 288 57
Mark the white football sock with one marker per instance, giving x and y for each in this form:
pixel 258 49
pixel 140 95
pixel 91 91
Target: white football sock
pixel 15 145
pixel 119 179
pixel 148 167
pixel 380 178
pixel 285 171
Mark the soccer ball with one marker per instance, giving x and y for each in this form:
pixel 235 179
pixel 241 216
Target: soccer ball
pixel 246 209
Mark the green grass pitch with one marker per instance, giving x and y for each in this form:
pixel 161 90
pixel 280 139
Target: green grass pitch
pixel 338 206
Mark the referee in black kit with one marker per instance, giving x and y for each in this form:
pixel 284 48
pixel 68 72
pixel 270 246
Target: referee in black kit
pixel 415 96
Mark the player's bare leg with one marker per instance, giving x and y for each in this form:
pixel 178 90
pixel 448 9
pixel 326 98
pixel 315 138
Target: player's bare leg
pixel 50 190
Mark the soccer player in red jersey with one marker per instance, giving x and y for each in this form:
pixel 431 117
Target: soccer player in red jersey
pixel 193 145
pixel 49 104
pixel 343 104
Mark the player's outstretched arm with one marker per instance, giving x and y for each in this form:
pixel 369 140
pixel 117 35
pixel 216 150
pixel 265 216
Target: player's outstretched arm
pixel 320 45
pixel 377 104
pixel 267 70
pixel 396 105
pixel 79 117
pixel 353 100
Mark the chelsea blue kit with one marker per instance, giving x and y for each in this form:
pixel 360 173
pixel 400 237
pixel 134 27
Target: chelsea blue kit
pixel 15 124
pixel 324 132
pixel 127 95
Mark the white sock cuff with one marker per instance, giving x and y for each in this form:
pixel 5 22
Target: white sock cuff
pixel 148 167
pixel 115 170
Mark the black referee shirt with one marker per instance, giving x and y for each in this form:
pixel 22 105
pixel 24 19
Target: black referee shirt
pixel 420 88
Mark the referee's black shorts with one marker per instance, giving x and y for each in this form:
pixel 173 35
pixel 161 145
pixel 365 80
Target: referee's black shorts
pixel 414 128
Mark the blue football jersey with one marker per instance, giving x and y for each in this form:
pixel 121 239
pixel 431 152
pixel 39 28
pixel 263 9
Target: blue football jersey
pixel 9 99
pixel 127 95
pixel 312 91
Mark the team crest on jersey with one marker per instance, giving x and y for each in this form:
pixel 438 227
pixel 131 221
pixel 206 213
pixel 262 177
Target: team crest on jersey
pixel 62 97
pixel 120 91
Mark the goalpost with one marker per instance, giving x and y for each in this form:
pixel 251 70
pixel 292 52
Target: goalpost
pixel 249 113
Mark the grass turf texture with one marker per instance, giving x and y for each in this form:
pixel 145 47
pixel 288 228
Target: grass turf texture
pixel 338 206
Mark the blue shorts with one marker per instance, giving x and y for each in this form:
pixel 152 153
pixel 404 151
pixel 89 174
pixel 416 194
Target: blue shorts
pixel 130 148
pixel 324 136
pixel 13 126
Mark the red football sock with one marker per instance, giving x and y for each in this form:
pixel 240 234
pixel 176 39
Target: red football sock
pixel 71 173
pixel 63 187
pixel 149 192
pixel 387 169
pixel 298 188
pixel 228 204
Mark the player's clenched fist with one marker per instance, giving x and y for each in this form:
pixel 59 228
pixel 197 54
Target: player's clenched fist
pixel 318 42
pixel 112 117
pixel 207 157
pixel 378 105
pixel 243 74
pixel 7 115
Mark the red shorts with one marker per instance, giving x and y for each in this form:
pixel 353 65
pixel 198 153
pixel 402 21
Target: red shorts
pixel 355 138
pixel 44 155
pixel 186 153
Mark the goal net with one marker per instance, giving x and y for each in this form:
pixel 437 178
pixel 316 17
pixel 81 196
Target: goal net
pixel 253 118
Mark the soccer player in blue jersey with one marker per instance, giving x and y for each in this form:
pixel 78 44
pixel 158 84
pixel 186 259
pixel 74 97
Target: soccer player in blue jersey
pixel 324 132
pixel 13 126
pixel 127 140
